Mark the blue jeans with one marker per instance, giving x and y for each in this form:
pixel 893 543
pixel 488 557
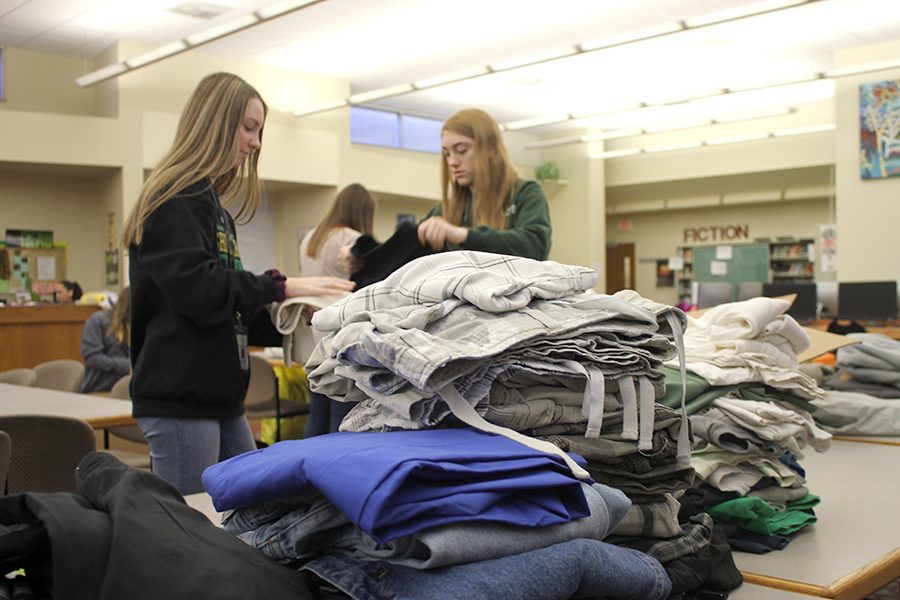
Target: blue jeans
pixel 325 415
pixel 574 569
pixel 180 449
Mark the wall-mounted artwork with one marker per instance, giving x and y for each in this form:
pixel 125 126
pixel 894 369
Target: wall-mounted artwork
pixel 879 129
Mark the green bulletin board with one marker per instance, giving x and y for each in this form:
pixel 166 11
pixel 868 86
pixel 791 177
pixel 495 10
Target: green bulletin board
pixel 748 262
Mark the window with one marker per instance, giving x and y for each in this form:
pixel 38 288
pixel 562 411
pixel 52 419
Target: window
pixel 418 133
pixel 394 130
pixel 375 127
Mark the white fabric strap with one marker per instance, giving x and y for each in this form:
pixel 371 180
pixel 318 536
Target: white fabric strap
pixel 684 440
pixel 629 408
pixel 465 413
pixel 648 414
pixel 592 403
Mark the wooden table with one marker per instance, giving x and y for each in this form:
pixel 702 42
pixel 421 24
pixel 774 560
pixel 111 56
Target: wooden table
pixel 100 412
pixel 854 548
pixel 35 334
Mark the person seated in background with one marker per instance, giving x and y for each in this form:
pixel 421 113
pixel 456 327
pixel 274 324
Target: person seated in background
pixel 67 292
pixel 351 215
pixel 105 346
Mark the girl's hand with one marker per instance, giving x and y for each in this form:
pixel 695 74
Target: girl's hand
pixel 316 286
pixel 437 232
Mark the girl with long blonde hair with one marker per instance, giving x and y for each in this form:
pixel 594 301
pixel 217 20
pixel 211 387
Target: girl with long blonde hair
pixel 194 309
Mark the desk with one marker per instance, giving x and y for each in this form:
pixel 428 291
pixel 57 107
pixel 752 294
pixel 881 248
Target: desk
pixel 854 548
pixel 203 502
pixel 98 411
pixel 35 334
pixel 892 330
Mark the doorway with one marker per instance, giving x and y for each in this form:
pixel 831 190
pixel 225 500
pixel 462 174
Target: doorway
pixel 620 273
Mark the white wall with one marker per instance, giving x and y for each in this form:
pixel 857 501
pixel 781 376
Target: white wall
pixel 868 211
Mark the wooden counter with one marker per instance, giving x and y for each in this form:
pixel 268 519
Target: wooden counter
pixel 892 330
pixel 30 335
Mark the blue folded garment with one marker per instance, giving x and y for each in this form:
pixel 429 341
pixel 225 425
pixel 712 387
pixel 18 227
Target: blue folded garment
pixel 392 484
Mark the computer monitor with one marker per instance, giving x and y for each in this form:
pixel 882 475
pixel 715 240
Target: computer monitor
pixel 827 293
pixel 804 307
pixel 749 289
pixel 714 293
pixel 868 300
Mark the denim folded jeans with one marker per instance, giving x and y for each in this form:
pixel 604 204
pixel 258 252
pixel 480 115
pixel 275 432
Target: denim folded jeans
pixel 574 569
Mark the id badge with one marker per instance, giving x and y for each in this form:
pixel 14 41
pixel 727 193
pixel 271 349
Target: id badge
pixel 243 348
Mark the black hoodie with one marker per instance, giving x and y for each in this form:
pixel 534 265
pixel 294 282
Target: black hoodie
pixel 187 286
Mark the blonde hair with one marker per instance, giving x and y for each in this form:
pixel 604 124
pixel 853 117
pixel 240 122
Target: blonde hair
pixel 120 318
pixel 494 174
pixel 205 144
pixel 354 207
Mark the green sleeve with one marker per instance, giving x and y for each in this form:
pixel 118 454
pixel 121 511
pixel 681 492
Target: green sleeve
pixel 528 232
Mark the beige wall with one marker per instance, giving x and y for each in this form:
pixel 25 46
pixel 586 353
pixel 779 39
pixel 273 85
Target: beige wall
pixel 867 210
pixel 41 82
pixel 656 235
pixel 70 205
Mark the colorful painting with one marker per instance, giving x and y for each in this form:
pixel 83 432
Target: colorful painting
pixel 879 129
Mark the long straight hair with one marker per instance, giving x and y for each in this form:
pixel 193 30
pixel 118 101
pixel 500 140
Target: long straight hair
pixel 353 207
pixel 494 174
pixel 120 318
pixel 206 142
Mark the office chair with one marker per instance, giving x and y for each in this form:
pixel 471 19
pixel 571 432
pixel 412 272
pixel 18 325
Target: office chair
pixel 262 399
pixel 45 450
pixel 64 374
pixel 131 433
pixel 25 377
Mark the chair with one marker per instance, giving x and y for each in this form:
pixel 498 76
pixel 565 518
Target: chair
pixel 25 377
pixel 45 450
pixel 64 374
pixel 5 445
pixel 131 433
pixel 262 399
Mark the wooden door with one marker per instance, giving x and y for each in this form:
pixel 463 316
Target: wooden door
pixel 620 271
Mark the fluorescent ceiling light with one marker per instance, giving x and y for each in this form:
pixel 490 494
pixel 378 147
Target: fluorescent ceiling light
pixel 881 65
pixel 611 134
pixel 750 137
pixel 673 146
pixel 778 83
pixel 614 153
pixel 221 30
pixel 280 8
pixel 676 126
pixel 99 75
pixel 633 36
pixel 803 130
pixel 156 54
pixel 749 116
pixel 450 78
pixel 533 59
pixel 692 202
pixel 378 94
pixel 536 122
pixel 810 192
pixel 610 110
pixel 330 106
pixel 741 12
pixel 749 197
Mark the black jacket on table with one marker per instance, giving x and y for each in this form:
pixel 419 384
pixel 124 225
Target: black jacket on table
pixel 129 535
pixel 187 288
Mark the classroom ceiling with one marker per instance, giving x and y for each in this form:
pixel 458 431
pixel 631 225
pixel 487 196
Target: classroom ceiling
pixel 378 44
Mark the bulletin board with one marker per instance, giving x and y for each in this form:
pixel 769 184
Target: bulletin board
pixel 747 262
pixel 35 269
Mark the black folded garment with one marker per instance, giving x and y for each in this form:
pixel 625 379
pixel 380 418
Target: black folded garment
pixel 380 260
